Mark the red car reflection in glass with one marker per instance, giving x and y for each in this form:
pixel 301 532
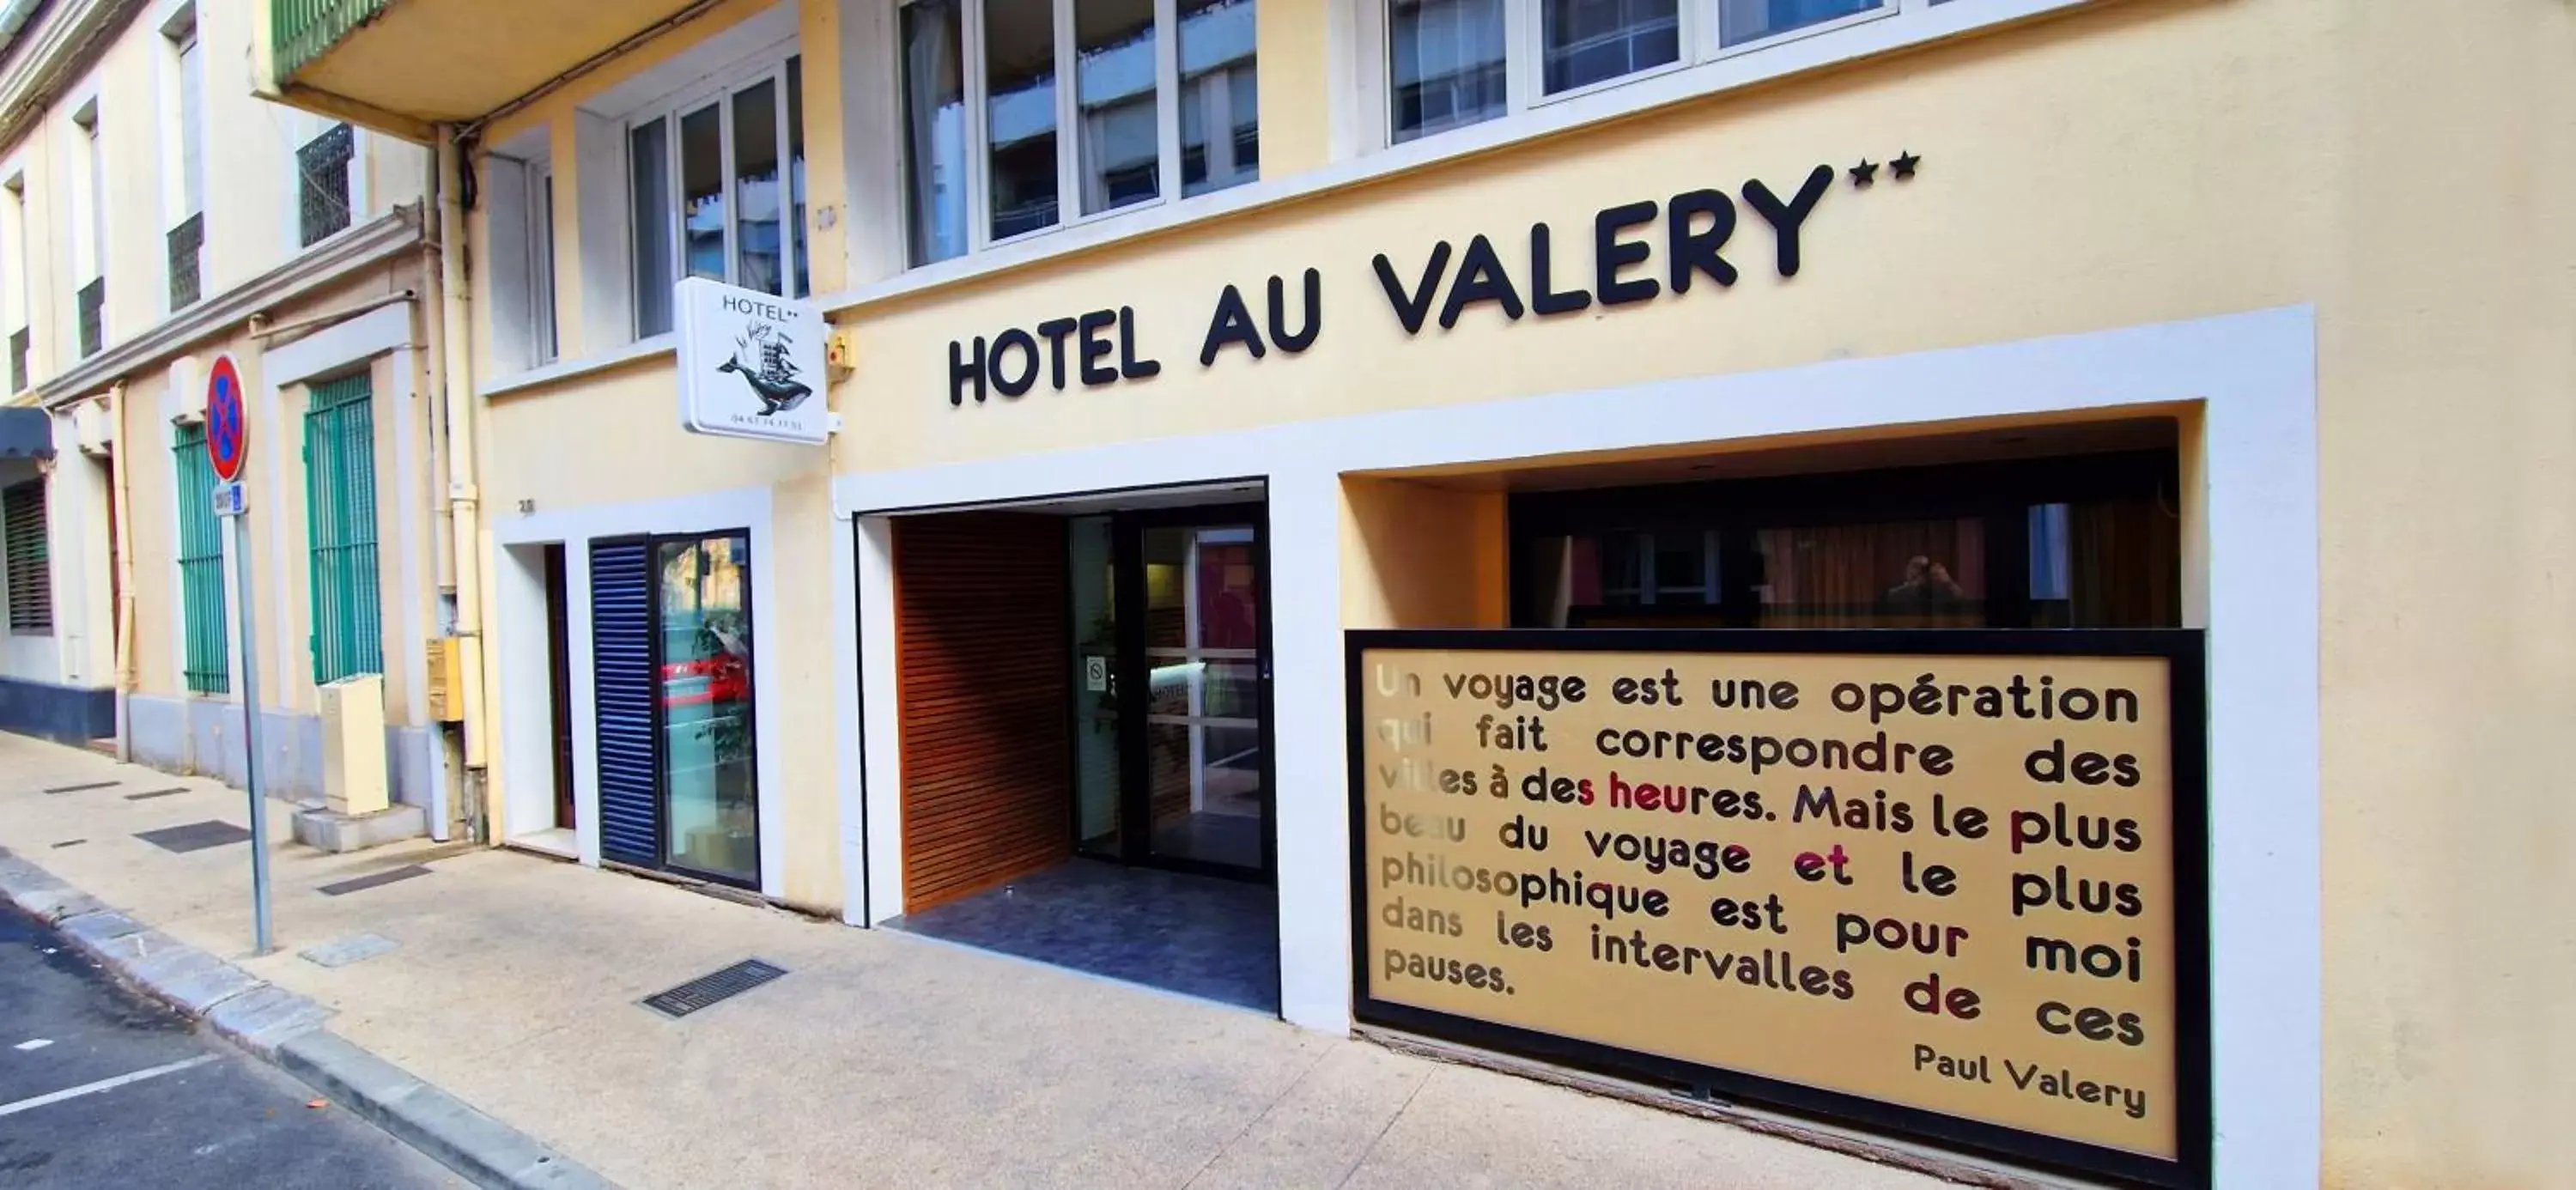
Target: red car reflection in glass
pixel 718 680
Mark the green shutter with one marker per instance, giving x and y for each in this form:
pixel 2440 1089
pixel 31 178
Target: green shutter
pixel 201 565
pixel 29 577
pixel 340 514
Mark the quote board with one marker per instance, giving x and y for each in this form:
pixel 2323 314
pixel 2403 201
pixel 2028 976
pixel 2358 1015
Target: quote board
pixel 1950 883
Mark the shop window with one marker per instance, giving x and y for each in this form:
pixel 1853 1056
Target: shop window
pixel 340 513
pixel 208 669
pixel 29 572
pixel 671 650
pixel 1024 115
pixel 716 189
pixel 1451 63
pixel 2084 542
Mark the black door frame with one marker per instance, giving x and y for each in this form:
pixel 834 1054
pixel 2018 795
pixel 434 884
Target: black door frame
pixel 652 543
pixel 1135 674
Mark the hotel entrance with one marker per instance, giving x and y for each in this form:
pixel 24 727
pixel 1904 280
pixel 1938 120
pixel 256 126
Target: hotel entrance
pixel 1085 719
pixel 1172 605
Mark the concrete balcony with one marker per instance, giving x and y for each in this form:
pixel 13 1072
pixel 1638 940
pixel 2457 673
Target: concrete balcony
pixel 406 66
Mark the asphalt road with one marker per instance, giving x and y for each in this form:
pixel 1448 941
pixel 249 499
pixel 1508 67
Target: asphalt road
pixel 193 1112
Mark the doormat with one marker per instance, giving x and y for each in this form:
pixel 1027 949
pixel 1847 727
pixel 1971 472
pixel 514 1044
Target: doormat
pixel 195 836
pixel 708 989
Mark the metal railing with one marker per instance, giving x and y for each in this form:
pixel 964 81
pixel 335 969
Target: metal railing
pixel 306 29
pixel 187 244
pixel 20 342
pixel 92 301
pixel 323 196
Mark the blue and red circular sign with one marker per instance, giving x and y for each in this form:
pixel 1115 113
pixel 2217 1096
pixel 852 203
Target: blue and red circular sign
pixel 226 433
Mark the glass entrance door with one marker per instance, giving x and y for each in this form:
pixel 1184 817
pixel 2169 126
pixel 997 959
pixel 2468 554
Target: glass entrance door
pixel 1206 765
pixel 1171 689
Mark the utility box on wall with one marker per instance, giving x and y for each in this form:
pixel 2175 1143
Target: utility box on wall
pixel 353 745
pixel 446 701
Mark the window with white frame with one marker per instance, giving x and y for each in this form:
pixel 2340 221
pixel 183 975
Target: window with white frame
pixel 546 345
pixel 1452 63
pixel 716 188
pixel 1024 115
pixel 89 299
pixel 15 300
pixel 183 165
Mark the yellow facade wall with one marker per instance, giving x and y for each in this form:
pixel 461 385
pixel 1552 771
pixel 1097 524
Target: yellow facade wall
pixel 1416 555
pixel 2131 163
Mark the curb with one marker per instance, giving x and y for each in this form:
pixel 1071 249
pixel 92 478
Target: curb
pixel 287 1031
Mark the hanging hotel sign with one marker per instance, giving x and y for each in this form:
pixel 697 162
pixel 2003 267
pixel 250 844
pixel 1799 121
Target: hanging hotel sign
pixel 1941 883
pixel 1622 255
pixel 751 365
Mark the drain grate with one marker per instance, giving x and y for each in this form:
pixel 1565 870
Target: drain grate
pixel 708 989
pixel 195 836
pixel 84 788
pixel 150 794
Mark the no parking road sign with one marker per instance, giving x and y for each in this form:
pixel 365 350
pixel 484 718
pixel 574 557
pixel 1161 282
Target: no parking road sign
pixel 226 432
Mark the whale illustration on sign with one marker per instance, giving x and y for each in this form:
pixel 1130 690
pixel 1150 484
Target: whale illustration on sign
pixel 771 375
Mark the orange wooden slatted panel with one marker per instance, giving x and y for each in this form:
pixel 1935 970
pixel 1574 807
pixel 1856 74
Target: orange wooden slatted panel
pixel 985 675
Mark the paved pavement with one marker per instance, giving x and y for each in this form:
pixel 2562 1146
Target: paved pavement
pixel 193 1111
pixel 511 982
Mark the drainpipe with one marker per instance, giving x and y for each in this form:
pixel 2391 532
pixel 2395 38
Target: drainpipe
pixel 463 497
pixel 121 511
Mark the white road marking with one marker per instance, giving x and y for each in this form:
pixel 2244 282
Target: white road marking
pixel 105 1084
pixel 33 1043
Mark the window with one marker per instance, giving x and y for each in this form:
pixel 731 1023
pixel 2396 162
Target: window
pixel 1451 63
pixel 2076 541
pixel 185 161
pixel 89 302
pixel 340 521
pixel 13 280
pixel 541 262
pixel 29 575
pixel 201 564
pixel 716 185
pixel 322 183
pixel 1024 115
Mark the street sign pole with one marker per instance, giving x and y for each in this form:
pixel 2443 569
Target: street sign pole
pixel 227 446
pixel 229 500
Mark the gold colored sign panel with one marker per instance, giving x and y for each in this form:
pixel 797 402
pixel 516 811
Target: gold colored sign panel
pixel 1943 879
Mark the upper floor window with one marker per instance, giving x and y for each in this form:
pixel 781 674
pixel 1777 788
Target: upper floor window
pixel 322 183
pixel 1450 63
pixel 716 184
pixel 184 159
pixel 15 302
pixel 1024 115
pixel 89 300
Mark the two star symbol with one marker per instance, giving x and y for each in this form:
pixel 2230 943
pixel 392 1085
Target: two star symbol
pixel 1865 173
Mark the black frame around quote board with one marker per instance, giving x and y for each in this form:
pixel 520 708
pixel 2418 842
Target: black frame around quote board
pixel 2183 652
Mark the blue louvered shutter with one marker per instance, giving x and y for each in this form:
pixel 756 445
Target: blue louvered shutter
pixel 621 628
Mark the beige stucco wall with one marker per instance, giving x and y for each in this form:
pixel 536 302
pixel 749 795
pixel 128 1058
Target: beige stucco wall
pixel 275 472
pixel 2135 163
pixel 2401 171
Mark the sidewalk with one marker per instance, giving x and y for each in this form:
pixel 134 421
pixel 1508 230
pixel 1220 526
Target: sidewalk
pixel 879 1060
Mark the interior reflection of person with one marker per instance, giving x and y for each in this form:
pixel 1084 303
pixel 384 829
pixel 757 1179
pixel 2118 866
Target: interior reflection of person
pixel 1927 584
